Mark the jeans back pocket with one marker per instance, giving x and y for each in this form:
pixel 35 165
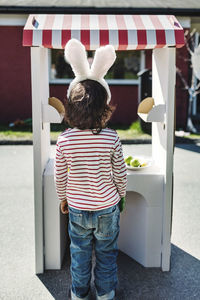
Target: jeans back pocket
pixel 76 221
pixel 108 223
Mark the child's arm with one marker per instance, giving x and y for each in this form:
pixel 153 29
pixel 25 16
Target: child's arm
pixel 119 168
pixel 60 174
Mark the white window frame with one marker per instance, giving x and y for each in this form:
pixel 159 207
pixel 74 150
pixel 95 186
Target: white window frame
pixel 60 81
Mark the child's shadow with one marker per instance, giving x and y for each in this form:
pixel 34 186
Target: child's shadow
pixel 138 282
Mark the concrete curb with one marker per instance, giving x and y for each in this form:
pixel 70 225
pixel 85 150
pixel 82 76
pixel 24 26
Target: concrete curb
pixel 179 140
pixel 16 142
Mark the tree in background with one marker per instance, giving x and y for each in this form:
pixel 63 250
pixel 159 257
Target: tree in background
pixel 193 88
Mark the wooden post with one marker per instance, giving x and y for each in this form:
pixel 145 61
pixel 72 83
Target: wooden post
pixel 163 87
pixel 41 144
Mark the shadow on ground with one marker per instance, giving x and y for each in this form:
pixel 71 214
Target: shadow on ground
pixel 138 282
pixel 190 147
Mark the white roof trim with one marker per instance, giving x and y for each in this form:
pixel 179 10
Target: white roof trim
pixel 185 22
pixel 184 4
pixel 13 19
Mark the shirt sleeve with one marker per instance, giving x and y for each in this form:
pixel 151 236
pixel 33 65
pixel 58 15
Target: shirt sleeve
pixel 119 168
pixel 60 174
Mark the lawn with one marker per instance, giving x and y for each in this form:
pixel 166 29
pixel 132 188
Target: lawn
pixel 25 132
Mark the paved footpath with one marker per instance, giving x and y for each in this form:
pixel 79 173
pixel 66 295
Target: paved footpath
pixel 17 278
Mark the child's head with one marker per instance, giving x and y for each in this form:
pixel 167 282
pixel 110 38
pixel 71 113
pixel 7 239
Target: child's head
pixel 86 107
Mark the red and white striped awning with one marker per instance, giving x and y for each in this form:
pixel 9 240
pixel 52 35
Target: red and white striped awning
pixel 124 32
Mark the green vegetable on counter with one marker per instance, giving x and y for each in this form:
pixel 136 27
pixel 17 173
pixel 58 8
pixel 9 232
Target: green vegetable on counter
pixel 128 160
pixel 122 204
pixel 135 163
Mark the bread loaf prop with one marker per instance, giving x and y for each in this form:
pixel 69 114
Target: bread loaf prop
pixel 57 104
pixel 146 105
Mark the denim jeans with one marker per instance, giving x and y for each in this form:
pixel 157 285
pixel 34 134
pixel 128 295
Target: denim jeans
pixel 98 230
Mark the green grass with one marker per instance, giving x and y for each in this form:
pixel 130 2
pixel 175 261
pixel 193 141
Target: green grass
pixel 125 132
pixel 25 132
pixel 133 131
pixel 192 136
pixel 7 133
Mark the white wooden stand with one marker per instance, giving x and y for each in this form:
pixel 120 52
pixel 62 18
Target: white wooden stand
pixel 146 222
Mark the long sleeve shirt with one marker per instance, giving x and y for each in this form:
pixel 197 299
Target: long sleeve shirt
pixel 89 169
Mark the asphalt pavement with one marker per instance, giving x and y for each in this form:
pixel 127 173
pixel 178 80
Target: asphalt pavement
pixel 17 258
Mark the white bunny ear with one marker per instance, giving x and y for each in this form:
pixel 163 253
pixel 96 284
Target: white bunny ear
pixel 103 59
pixel 76 56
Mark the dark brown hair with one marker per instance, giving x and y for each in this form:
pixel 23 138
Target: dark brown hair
pixel 87 106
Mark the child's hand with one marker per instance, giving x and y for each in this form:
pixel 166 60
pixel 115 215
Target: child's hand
pixel 64 207
pixel 122 204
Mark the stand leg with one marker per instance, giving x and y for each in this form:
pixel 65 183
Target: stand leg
pixel 41 144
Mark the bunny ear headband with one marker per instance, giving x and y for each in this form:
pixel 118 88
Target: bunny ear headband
pixel 76 56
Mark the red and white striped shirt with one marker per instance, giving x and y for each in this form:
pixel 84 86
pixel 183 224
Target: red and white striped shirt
pixel 89 169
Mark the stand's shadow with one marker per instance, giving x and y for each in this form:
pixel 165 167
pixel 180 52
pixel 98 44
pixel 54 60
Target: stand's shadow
pixel 138 282
pixel 189 147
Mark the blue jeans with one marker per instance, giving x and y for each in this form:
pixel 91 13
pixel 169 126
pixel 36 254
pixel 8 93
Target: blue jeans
pixel 98 229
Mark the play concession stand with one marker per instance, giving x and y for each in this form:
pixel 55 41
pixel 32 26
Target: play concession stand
pixel 147 220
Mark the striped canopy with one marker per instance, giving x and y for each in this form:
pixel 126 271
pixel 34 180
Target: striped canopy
pixel 124 32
